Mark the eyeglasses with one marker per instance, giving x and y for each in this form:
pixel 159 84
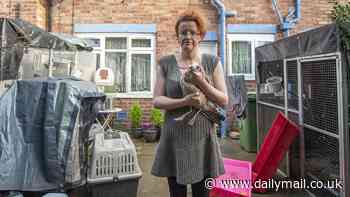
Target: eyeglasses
pixel 191 33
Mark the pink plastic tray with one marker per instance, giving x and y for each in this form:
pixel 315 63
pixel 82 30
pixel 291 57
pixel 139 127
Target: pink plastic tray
pixel 238 175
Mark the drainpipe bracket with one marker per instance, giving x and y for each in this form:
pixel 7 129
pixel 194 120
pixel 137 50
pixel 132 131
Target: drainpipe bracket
pixel 294 21
pixel 231 13
pixel 287 26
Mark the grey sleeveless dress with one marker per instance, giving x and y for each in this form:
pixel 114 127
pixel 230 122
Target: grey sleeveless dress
pixel 188 153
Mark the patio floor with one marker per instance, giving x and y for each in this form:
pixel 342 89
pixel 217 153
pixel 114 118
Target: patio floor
pixel 151 186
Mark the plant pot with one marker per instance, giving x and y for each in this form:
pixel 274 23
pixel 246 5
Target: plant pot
pixel 137 132
pixel 150 135
pixel 159 130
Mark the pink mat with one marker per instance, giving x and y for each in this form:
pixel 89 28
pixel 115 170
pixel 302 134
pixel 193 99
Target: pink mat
pixel 236 182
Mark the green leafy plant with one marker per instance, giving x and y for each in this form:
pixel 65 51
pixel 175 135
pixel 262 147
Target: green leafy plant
pixel 135 115
pixel 157 117
pixel 341 16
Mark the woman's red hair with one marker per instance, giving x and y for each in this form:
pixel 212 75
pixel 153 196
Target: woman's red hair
pixel 191 15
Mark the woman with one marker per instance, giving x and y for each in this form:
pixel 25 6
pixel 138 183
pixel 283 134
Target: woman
pixel 188 154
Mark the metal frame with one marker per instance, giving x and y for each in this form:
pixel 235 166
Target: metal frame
pixel 313 58
pixel 285 87
pixel 343 80
pixel 343 134
pixel 257 79
pixel 2 53
pixel 286 108
pixel 301 120
pixel 293 111
pixel 324 132
pixel 271 105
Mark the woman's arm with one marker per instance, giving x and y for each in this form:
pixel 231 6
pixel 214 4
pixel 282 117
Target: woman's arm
pixel 218 92
pixel 163 102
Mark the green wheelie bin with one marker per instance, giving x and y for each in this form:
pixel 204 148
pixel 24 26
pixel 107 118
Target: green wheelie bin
pixel 248 133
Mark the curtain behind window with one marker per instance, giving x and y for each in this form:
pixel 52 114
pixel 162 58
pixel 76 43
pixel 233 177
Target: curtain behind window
pixel 143 43
pixel 116 43
pixel 241 57
pixel 117 61
pixel 140 72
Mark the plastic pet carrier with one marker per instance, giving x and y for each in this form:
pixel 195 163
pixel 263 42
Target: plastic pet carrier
pixel 114 168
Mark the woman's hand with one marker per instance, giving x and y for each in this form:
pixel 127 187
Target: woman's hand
pixel 217 92
pixel 194 99
pixel 196 76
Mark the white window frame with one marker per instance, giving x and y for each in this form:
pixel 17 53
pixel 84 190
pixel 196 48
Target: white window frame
pixel 253 39
pixel 129 51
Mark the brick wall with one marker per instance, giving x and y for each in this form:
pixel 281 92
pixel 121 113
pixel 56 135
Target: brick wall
pixel 125 104
pixel 314 12
pixel 161 12
pixel 41 13
pixel 33 11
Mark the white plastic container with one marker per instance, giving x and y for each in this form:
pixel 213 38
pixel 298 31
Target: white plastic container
pixel 113 160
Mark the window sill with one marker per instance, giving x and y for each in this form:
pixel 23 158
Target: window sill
pixel 130 95
pixel 246 77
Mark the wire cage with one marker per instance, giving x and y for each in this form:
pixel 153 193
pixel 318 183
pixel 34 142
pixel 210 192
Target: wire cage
pixel 314 67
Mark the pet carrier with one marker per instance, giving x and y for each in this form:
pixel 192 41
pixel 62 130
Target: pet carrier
pixel 114 168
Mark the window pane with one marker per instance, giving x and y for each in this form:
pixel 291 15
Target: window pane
pixel 145 43
pixel 117 61
pixel 115 43
pixel 98 60
pixel 241 57
pixel 141 72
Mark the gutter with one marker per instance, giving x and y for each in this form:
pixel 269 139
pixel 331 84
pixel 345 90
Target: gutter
pixel 288 23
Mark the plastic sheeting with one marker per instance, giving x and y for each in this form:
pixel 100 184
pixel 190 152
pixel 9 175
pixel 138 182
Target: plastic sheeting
pixel 38 122
pixel 36 37
pixel 16 34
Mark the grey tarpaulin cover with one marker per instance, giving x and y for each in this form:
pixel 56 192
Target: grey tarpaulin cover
pixel 38 121
pixel 16 33
pixel 237 94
